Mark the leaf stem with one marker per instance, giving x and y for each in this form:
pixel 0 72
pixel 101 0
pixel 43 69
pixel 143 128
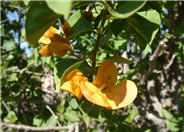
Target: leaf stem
pixel 72 53
pixel 100 32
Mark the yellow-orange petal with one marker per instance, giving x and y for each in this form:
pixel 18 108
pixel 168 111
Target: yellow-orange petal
pixel 58 37
pixel 45 52
pixel 121 95
pixel 107 74
pixel 66 28
pixel 93 94
pixel 68 86
pixel 60 52
pixel 72 83
pixel 48 35
pixel 73 73
pixel 57 45
pixel 45 40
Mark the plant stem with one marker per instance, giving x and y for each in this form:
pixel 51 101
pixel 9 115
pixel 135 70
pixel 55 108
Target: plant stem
pixel 100 32
pixel 72 53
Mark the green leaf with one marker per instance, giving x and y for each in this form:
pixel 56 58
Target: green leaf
pixel 179 30
pixel 12 68
pixel 71 115
pixel 60 7
pixel 61 107
pixel 60 68
pixel 13 77
pixel 67 71
pixel 10 118
pixel 126 9
pixel 104 40
pixel 79 4
pixel 37 121
pixel 145 24
pixel 38 19
pixel 51 121
pixel 117 26
pixel 146 50
pixel 157 5
pixel 74 103
pixel 132 114
pixel 119 43
pixel 101 117
pixel 86 118
pixel 172 126
pixel 120 59
pixel 9 45
pixel 26 2
pixel 14 3
pixel 79 24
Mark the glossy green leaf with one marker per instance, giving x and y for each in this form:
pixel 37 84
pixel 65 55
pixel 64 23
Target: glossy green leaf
pixel 60 68
pixel 60 7
pixel 117 26
pixel 145 24
pixel 79 24
pixel 38 19
pixel 67 71
pixel 126 9
pixel 120 59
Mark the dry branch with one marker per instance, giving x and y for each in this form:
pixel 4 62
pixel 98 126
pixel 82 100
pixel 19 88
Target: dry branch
pixel 56 118
pixel 152 60
pixel 31 128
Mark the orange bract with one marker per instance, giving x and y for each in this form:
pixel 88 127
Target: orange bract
pixel 107 74
pixel 72 83
pixel 45 52
pixel 66 28
pixel 103 90
pixel 55 43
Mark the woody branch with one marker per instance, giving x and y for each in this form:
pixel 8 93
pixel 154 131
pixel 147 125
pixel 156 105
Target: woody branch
pixel 31 128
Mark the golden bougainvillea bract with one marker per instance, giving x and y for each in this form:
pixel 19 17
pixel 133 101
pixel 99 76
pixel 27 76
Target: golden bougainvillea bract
pixel 53 42
pixel 103 91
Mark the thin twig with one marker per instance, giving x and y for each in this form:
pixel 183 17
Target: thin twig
pixel 26 71
pixel 75 55
pixel 80 58
pixel 100 32
pixel 56 118
pixel 30 72
pixel 31 128
pixel 3 21
pixel 153 60
pixel 6 107
pixel 170 63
